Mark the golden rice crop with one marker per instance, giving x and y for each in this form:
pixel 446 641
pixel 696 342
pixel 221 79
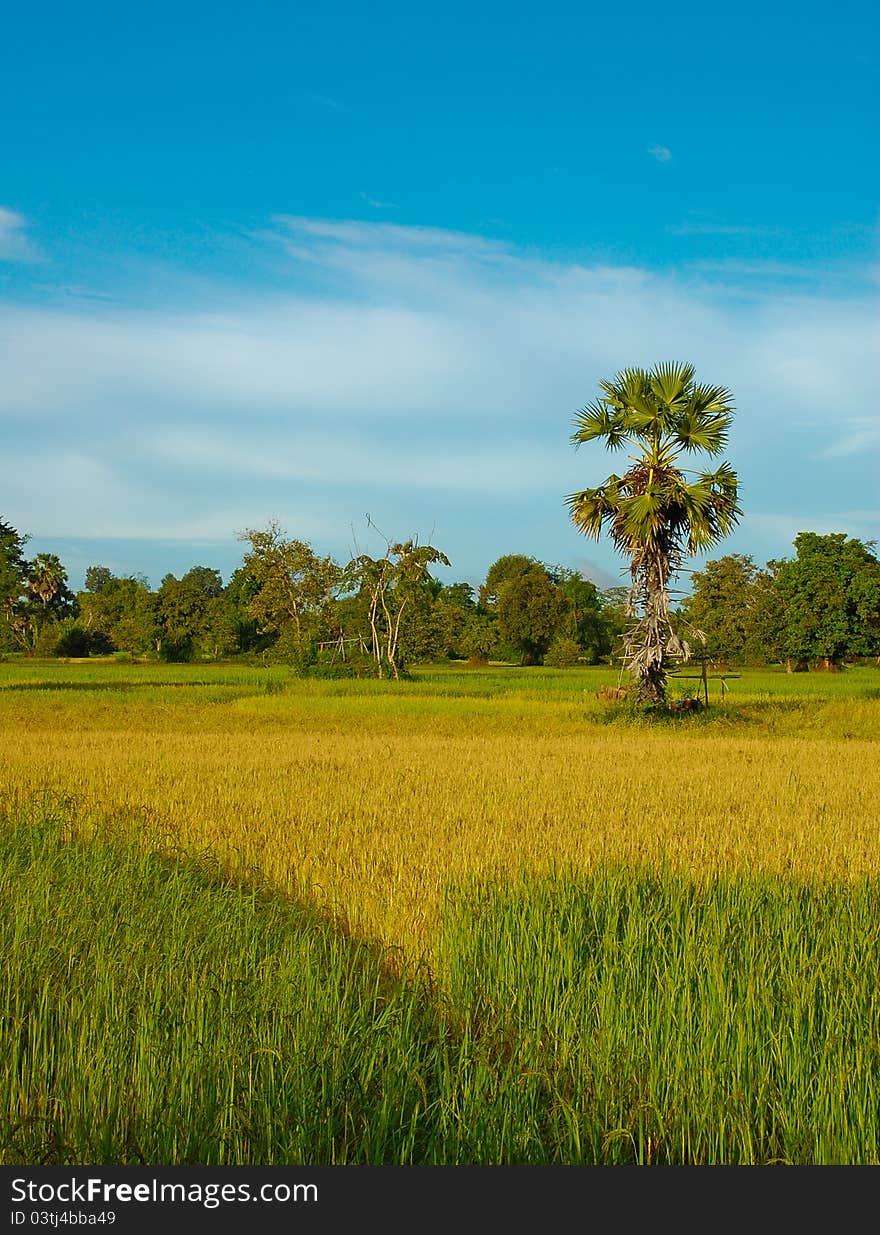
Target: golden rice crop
pixel 375 795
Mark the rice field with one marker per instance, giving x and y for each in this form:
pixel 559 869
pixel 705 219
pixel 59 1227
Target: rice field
pixel 489 915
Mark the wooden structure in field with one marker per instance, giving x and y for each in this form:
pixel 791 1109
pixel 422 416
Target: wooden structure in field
pixel 704 677
pixel 338 646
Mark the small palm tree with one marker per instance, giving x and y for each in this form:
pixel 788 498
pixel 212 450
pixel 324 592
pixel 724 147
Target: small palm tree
pixel 47 578
pixel 654 513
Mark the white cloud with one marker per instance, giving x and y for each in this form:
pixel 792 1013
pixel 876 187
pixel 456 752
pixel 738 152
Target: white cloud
pixel 862 434
pixel 428 372
pixel 385 236
pixel 301 453
pixel 723 229
pixel 661 153
pixel 737 268
pixel 326 100
pixel 863 524
pixel 14 243
pixel 378 205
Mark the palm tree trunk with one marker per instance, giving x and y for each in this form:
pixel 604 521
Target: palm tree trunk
pixel 647 641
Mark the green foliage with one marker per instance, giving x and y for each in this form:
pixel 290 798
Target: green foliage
pixel 505 569
pixel 480 636
pixel 13 577
pixel 290 582
pixel 97 578
pixel 120 613
pixel 44 600
pixel 240 591
pixel 459 595
pixel 531 611
pixel 194 617
pixel 563 653
pixel 830 598
pixel 587 622
pixel 725 606
pixel 396 593
pixel 75 641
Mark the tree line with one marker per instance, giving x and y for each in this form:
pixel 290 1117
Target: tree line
pixel 379 615
pixel 818 609
pixel 286 602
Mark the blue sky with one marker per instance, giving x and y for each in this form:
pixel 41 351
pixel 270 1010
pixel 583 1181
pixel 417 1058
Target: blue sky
pixel 312 262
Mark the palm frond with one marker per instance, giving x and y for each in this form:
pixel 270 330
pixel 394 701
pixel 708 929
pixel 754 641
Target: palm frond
pixel 705 419
pixel 701 431
pixel 590 508
pixel 719 509
pixel 671 381
pixel 598 420
pixel 641 514
pixel 713 400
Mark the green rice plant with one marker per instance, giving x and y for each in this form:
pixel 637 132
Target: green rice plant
pixel 152 1012
pixel 734 1020
pixel 156 1011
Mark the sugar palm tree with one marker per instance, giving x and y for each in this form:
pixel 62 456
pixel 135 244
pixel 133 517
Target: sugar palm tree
pixel 47 579
pixel 657 513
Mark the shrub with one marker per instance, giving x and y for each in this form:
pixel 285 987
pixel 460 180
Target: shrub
pixel 562 653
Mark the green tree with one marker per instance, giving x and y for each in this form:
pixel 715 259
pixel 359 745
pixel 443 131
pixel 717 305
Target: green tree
pixel 184 609
pixel 219 629
pixel 97 578
pixel 616 617
pixel 480 637
pixel 508 567
pixel 47 585
pixel 13 581
pixel 204 581
pixel 655 515
pixel 531 612
pixel 120 614
pixel 830 600
pixel 33 617
pixel 725 606
pixel 179 612
pixel 444 620
pixel 293 585
pixel 586 623
pixel 563 653
pixel 392 588
pixel 461 595
pixel 239 592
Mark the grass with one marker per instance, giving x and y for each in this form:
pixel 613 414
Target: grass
pixel 730 1021
pixel 152 1014
pixel 600 939
pixel 157 1012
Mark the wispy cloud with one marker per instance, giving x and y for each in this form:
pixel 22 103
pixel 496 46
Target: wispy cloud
pixel 784 527
pixel 661 153
pixel 325 100
pixel 378 205
pixel 737 268
pixel 723 229
pixel 861 434
pixel 15 245
pixel 361 234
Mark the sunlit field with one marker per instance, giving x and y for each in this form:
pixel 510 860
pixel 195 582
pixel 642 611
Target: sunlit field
pixel 594 938
pixel 372 796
